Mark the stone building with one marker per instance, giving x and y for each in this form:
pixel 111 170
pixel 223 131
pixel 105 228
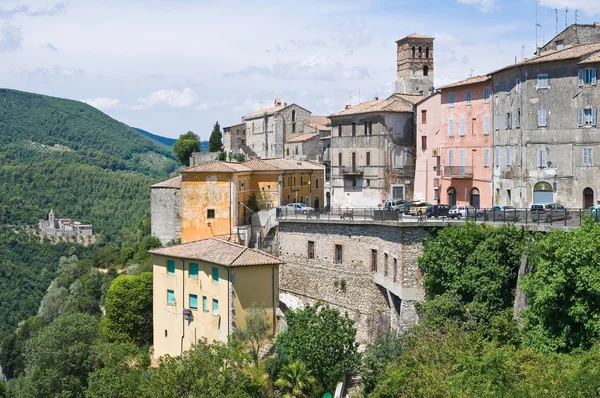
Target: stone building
pixel 415 65
pixel 59 227
pixel 466 142
pixel 234 139
pixel 546 141
pixel 428 166
pixel 573 35
pixel 268 129
pixel 165 209
pixel 367 269
pixel 202 291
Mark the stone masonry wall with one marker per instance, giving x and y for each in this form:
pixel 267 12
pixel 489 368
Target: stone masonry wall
pixel 165 205
pixel 350 286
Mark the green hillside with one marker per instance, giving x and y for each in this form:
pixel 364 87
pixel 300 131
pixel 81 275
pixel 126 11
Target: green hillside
pixel 167 142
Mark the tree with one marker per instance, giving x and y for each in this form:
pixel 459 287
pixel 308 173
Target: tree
pixel 185 146
pixel 385 350
pixel 256 331
pixel 324 340
pixel 215 142
pixel 295 381
pixel 13 347
pixel 563 291
pixel 128 307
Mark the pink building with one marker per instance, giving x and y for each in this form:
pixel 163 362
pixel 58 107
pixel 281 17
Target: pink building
pixel 427 167
pixel 466 141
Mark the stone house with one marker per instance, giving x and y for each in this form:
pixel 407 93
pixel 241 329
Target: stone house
pixel 202 291
pixel 573 35
pixel 58 227
pixel 165 210
pixel 546 140
pixel 234 138
pixel 466 142
pixel 427 165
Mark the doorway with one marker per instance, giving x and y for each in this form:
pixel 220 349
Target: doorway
pixel 588 198
pixel 452 196
pixel 475 202
pixel 543 193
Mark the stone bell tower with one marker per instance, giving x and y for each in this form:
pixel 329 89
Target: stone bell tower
pixel 415 65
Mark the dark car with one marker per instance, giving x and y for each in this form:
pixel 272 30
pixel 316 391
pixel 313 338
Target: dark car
pixel 502 213
pixel 437 211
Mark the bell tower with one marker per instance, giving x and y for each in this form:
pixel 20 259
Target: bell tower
pixel 415 65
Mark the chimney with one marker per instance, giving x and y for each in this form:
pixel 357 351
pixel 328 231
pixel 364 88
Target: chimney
pixel 375 98
pixel 348 107
pixel 277 102
pixel 285 104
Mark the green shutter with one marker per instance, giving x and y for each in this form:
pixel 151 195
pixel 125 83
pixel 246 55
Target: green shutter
pixel 204 303
pixel 215 305
pixel 194 301
pixel 193 270
pixel 171 267
pixel 215 275
pixel 170 297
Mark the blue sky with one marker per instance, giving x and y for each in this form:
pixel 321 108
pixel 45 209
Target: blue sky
pixel 176 65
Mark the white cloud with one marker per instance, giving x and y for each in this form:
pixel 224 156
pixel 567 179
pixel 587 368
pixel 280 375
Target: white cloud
pixel 102 102
pixel 352 33
pixel 250 105
pixel 315 67
pixel 590 7
pixel 10 37
pixel 172 98
pixel 208 104
pixel 56 72
pixel 483 5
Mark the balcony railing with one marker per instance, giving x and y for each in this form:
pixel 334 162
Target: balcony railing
pixel 327 155
pixel 352 170
pixel 458 171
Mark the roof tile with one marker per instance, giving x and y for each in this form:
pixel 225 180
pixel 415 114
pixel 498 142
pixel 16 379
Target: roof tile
pixel 302 138
pixel 468 81
pixel 172 183
pixel 216 166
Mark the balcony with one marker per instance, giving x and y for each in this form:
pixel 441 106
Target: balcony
pixel 327 155
pixel 458 171
pixel 352 171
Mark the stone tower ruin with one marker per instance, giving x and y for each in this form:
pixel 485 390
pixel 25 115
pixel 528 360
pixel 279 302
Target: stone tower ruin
pixel 415 65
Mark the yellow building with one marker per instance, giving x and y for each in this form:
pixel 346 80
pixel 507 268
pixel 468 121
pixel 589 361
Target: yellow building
pixel 216 196
pixel 203 289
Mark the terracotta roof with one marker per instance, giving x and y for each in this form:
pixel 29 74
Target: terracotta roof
pixel 259 165
pixel 172 183
pixel 302 138
pixel 465 82
pixel 394 103
pixel 286 164
pixel 558 55
pixel 218 251
pixel 268 111
pixel 416 36
pixel 592 59
pixel 321 123
pixel 216 166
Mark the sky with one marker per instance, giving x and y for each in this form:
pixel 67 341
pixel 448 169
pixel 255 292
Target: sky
pixel 171 66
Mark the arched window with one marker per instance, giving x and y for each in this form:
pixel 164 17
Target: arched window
pixel 425 70
pixel 426 52
pixel 293 116
pixel 415 69
pixel 413 51
pixel 420 52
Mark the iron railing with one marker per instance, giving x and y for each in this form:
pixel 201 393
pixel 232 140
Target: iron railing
pixel 458 171
pixel 352 170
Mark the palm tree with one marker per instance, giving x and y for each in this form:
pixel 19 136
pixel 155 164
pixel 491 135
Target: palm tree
pixel 295 381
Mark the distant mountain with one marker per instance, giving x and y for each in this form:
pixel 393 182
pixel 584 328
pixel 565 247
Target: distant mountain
pixel 169 142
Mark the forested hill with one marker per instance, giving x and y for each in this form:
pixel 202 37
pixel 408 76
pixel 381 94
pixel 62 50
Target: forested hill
pixel 36 127
pixel 168 142
pixel 66 155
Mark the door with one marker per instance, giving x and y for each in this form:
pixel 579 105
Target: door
pixel 317 202
pixel 353 161
pixel 452 196
pixel 588 198
pixel 462 162
pixel 475 198
pixel 542 193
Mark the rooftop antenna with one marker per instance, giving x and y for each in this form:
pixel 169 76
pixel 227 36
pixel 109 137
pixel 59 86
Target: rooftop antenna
pixel 537 25
pixel 350 97
pixel 523 51
pixel 359 95
pixel 472 70
pixel 566 17
pixel 576 22
pixel 556 12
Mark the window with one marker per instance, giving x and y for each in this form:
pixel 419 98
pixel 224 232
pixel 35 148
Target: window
pixel 296 150
pixel 496 90
pixel 413 51
pixel 395 270
pixel 497 122
pixel 497 157
pixel 170 297
pixel 293 127
pixel 518 119
pixel 171 267
pixel 450 128
pixel 468 97
pixel 486 94
pixel 287 151
pixel 366 128
pixel 486 125
pixel 373 260
pixel 451 157
pixel 423 142
pixel 370 128
pixel 451 98
pixel 210 213
pixel 508 156
pixel 420 52
pixel 215 307
pixel 368 158
pixel 486 157
pixel 425 70
pixel 508 122
pixel 587 76
pixel 507 87
pixel 295 181
pixel 293 116
pixel 301 180
pixel 587 117
pixel 424 117
pixel 385 264
pixel 519 155
pixel 194 270
pixel 339 159
pixel 194 301
pixel 542 122
pixel 518 85
pixel 317 183
pixel 311 249
pixel 353 129
pixel 560 44
pixel 587 156
pixel 339 130
pixel 215 275
pixel 426 52
pixel 542 158
pixel 204 304
pixel 338 253
pixel 542 81
pixel 462 127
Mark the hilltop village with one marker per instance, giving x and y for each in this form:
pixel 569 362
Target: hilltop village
pixel 306 217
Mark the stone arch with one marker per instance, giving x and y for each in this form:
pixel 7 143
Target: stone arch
pixel 588 197
pixel 420 52
pixel 543 192
pixel 414 51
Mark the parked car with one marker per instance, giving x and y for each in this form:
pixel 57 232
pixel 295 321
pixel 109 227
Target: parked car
pixel 593 212
pixel 415 208
pixel 395 205
pixel 437 211
pixel 502 213
pixel 548 212
pixel 298 208
pixel 459 211
pixel 407 205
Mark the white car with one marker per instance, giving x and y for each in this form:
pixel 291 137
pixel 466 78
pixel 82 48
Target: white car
pixel 459 211
pixel 299 208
